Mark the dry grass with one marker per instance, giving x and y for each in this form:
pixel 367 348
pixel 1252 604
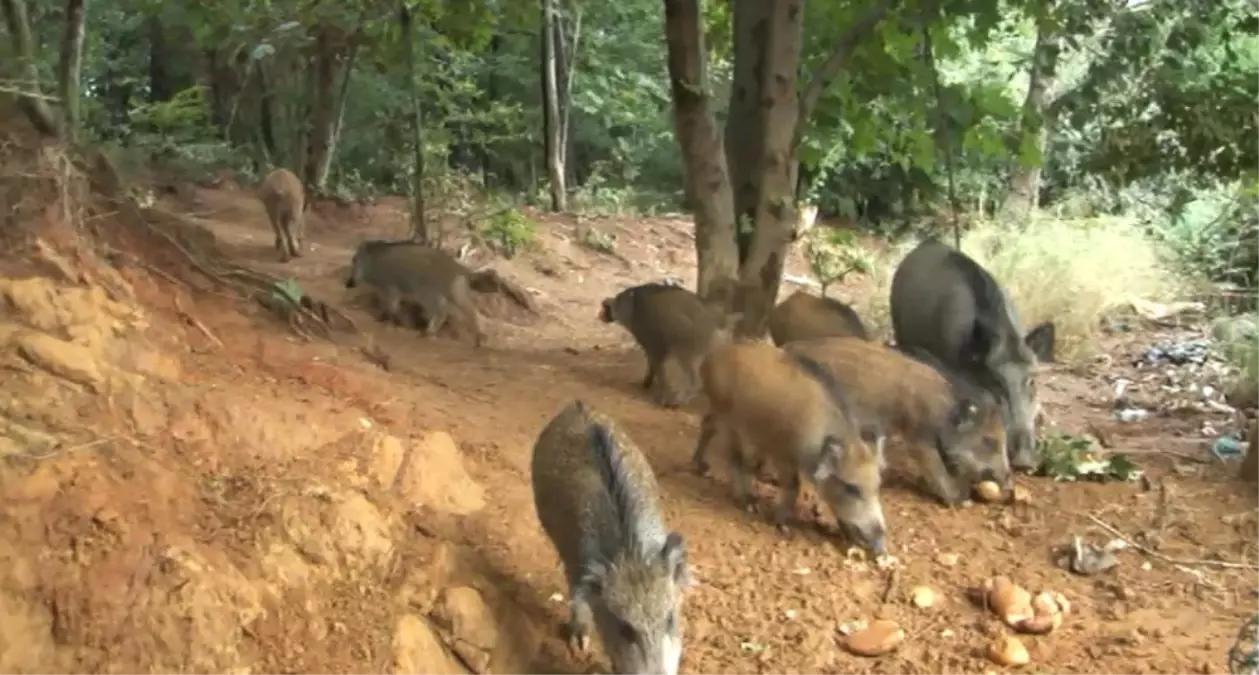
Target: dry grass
pixel 1071 271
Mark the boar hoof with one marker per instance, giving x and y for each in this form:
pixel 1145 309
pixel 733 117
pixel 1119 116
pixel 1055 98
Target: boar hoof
pixel 699 466
pixel 577 638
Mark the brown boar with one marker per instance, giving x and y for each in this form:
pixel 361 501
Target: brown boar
pixel 955 430
pixel 284 198
pixel 407 275
pixel 764 403
pixel 804 316
pixel 674 328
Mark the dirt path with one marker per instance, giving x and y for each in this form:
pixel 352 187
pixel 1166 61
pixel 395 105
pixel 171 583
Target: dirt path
pixel 764 602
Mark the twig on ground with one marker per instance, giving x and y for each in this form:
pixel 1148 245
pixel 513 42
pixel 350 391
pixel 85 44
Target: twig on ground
pixel 1178 563
pixel 64 450
pixel 1171 453
pixel 197 323
pixel 893 576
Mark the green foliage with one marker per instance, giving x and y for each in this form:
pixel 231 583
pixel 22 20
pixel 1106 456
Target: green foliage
pixel 834 254
pixel 288 290
pixel 597 240
pixel 1065 457
pixel 1146 95
pixel 183 116
pixel 509 232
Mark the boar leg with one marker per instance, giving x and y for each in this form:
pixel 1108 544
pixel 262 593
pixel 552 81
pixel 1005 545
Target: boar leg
pixel 708 432
pixel 788 493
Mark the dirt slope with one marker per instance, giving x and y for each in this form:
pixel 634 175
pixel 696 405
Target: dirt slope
pixel 185 486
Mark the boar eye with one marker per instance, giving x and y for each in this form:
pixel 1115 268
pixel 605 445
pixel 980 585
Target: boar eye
pixel 852 490
pixel 671 623
pixel 629 633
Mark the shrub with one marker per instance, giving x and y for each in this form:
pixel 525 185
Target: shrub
pixel 1071 271
pixel 834 254
pixel 509 232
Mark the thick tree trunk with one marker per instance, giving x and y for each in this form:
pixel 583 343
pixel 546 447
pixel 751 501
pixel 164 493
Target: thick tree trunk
pixel 772 175
pixel 323 110
pixel 1024 192
pixel 707 182
pixel 551 109
pixel 70 69
pixel 173 58
pixel 745 114
pixel 35 106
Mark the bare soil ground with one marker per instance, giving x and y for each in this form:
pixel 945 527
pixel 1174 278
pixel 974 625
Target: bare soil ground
pixel 186 486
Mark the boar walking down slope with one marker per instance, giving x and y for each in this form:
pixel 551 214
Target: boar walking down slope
pixel 674 328
pixel 947 305
pixel 764 403
pixel 804 316
pixel 407 275
pixel 284 198
pixel 955 432
pixel 598 502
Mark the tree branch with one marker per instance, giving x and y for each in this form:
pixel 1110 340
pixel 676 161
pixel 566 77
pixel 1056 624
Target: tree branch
pixel 834 64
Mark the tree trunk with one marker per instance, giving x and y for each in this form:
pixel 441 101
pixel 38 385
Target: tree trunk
pixel 744 117
pixel 342 97
pixel 33 104
pixel 566 62
pixel 172 58
pixel 323 110
pixel 1249 470
pixel 266 115
pixel 1024 193
pixel 707 181
pixel 70 69
pixel 772 174
pixel 551 110
pixel 568 41
pixel 419 222
pixel 489 168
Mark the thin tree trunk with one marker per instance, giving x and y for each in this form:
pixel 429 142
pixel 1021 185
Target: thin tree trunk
pixel 707 180
pixel 1024 192
pixel 266 114
pixel 34 103
pixel 567 66
pixel 419 222
pixel 70 69
pixel 326 166
pixel 550 97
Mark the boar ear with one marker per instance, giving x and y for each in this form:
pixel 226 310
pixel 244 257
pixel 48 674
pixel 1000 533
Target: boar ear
pixel 673 553
pixel 875 438
pixel 1041 341
pixel 828 459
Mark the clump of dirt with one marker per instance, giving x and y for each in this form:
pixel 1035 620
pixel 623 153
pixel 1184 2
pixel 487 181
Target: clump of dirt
pixel 167 505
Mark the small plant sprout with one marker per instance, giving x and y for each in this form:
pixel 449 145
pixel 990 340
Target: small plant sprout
pixel 834 254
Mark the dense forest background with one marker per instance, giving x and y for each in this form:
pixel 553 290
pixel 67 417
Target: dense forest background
pixel 891 117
